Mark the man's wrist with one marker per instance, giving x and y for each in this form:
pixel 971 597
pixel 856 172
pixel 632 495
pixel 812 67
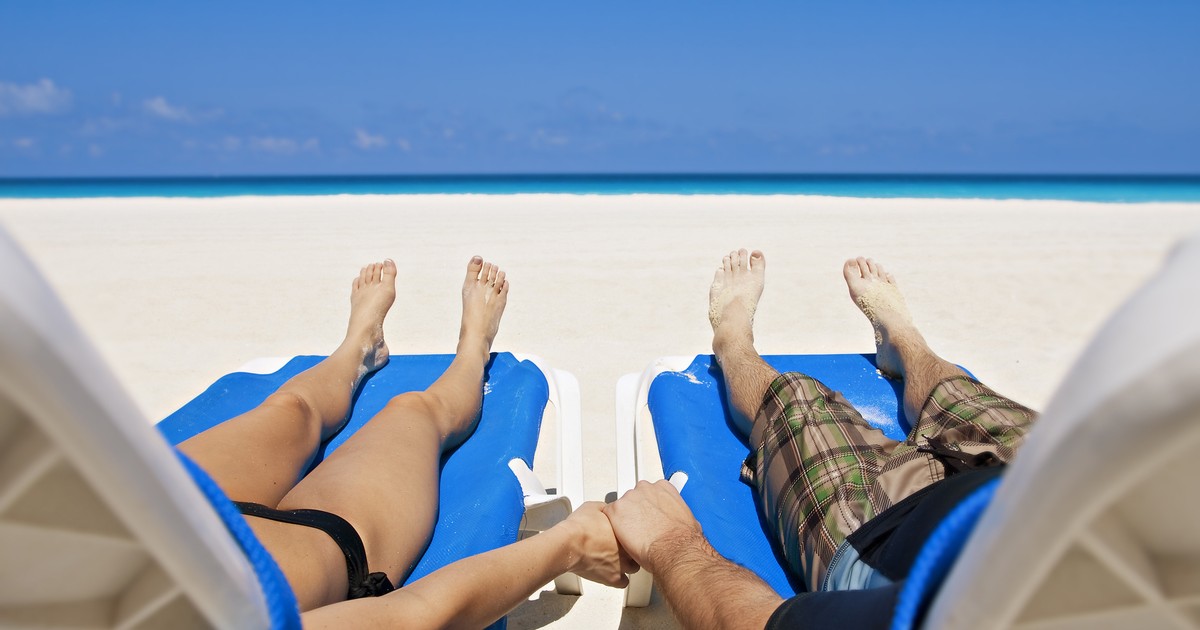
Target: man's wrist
pixel 705 589
pixel 677 548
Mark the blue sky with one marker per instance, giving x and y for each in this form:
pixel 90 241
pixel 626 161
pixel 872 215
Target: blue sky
pixel 224 88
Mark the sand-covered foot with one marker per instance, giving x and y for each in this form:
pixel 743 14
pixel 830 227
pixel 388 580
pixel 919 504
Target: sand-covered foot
pixel 734 294
pixel 485 293
pixel 875 293
pixel 371 297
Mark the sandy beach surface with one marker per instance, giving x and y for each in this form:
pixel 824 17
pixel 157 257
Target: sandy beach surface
pixel 176 292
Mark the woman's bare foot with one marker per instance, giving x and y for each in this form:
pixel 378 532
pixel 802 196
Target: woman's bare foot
pixel 733 297
pixel 372 295
pixel 485 293
pixel 874 291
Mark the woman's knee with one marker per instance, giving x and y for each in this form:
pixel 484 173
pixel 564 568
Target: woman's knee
pixel 420 404
pixel 296 413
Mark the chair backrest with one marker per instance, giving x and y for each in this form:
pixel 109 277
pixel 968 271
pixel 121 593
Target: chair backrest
pixel 100 525
pixel 1097 522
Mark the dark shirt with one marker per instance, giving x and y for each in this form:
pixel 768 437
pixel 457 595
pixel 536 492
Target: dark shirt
pixel 889 543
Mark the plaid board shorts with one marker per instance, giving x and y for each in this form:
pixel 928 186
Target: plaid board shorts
pixel 821 472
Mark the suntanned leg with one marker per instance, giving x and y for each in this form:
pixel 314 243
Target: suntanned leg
pixel 259 455
pixel 901 350
pixel 733 298
pixel 384 479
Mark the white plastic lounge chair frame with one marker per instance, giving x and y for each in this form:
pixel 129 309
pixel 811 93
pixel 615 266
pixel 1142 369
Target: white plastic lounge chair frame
pixel 100 525
pixel 1097 522
pixel 637 449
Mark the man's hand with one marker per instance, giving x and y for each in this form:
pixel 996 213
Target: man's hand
pixel 652 515
pixel 595 553
pixel 705 590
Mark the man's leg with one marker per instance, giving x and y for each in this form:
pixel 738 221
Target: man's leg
pixel 901 350
pixel 940 400
pixel 384 479
pixel 733 298
pixel 259 456
pixel 812 456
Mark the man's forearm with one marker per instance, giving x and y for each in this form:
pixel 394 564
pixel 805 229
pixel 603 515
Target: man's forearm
pixel 706 590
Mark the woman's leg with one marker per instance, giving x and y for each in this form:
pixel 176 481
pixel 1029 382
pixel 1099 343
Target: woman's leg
pixel 259 456
pixel 384 479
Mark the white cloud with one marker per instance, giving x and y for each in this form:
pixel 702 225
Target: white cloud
pixel 24 143
pixel 42 97
pixel 103 125
pixel 95 150
pixel 545 138
pixel 403 144
pixel 283 146
pixel 366 141
pixel 158 106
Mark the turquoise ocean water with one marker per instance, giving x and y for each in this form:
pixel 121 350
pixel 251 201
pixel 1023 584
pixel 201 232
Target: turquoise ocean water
pixel 1079 188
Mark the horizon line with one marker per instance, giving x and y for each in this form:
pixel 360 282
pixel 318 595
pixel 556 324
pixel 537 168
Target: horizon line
pixel 604 174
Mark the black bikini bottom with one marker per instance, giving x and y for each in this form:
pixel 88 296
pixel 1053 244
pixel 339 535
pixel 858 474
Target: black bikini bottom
pixel 362 583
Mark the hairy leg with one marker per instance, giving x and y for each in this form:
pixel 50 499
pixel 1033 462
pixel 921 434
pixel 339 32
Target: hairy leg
pixel 733 298
pixel 901 350
pixel 809 485
pixel 384 479
pixel 259 455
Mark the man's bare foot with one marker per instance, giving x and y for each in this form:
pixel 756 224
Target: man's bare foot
pixel 485 293
pixel 874 291
pixel 733 297
pixel 372 295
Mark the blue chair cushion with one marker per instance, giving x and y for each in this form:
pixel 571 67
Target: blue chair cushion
pixel 695 435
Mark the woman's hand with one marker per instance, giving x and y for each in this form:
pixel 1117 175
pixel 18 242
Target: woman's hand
pixel 653 517
pixel 595 553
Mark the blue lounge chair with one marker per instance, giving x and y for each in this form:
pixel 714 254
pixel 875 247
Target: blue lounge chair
pixel 672 424
pixel 102 525
pixel 1095 524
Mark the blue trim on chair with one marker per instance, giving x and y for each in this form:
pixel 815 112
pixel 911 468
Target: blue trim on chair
pixel 282 607
pixel 938 555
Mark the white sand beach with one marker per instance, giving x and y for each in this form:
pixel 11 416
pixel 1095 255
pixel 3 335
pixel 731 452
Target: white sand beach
pixel 176 292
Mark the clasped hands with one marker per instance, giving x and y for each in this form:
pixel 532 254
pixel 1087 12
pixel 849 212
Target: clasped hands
pixel 642 529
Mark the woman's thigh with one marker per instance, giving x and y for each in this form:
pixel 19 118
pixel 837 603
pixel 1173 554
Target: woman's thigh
pixel 311 561
pixel 260 455
pixel 384 481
